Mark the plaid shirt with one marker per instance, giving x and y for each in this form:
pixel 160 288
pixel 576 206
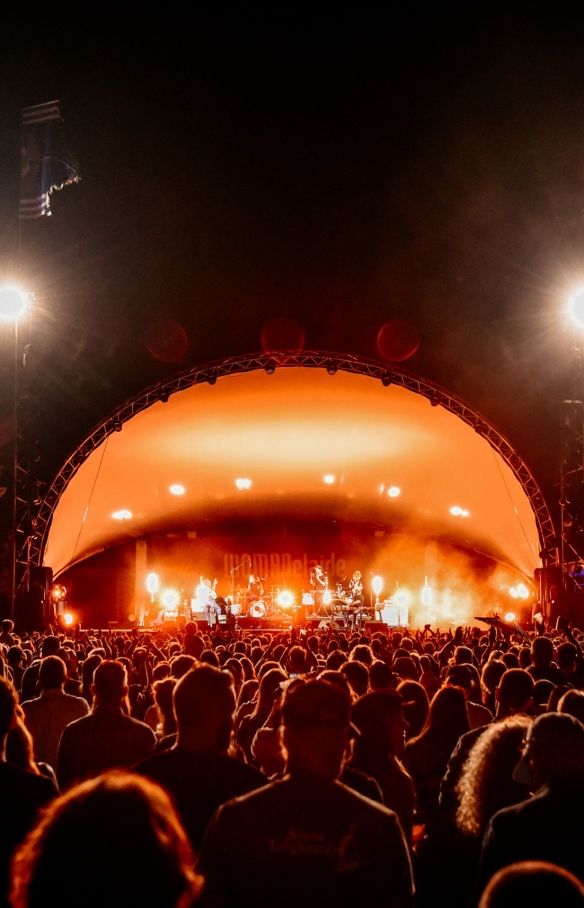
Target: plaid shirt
pixel 106 739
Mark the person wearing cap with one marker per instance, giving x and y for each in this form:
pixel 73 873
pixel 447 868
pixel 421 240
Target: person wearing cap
pixel 307 839
pixel 550 825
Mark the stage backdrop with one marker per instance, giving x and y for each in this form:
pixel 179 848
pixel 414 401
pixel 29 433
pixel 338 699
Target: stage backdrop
pixel 459 583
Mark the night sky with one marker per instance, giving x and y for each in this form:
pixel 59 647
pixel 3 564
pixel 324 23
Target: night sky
pixel 341 170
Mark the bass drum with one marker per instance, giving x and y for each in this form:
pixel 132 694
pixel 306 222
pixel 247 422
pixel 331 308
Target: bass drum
pixel 257 609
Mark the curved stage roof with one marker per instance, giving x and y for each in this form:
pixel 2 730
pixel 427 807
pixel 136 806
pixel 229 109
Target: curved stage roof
pixel 288 433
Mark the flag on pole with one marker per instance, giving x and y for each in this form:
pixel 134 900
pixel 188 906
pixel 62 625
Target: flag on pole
pixel 46 164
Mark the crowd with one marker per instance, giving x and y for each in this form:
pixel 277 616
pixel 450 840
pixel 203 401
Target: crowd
pixel 334 767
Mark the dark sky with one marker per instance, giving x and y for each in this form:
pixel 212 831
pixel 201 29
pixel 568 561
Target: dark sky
pixel 339 169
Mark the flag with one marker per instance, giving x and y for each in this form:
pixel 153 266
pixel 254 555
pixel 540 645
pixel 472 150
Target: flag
pixel 46 163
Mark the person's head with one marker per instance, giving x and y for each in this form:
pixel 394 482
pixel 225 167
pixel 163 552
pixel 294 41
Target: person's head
pixel 542 652
pixel 110 683
pixel 7 626
pixel 116 840
pixel 542 690
pixel 49 646
pixel 379 718
pixel 415 705
pixel 52 673
pixel 447 718
pixel 462 655
pixel 362 653
pixel 553 749
pixel 163 691
pixel 88 670
pixel 8 705
pixel 380 675
pixel 572 703
pixel 514 692
pixel 486 784
pixel 567 653
pixel 297 660
pixel 460 676
pixel 533 883
pixel 335 659
pixel 316 721
pixel 357 675
pixel 14 656
pixel 180 665
pixel 204 706
pixel 406 669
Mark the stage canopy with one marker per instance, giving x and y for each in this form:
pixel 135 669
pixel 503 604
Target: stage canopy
pixel 296 445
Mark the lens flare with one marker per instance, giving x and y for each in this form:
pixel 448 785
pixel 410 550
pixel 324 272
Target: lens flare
pixel 152 583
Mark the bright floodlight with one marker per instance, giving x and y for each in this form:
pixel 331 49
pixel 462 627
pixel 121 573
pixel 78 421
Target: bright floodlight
pixel 177 490
pixel 402 597
pixel 170 599
pixel 243 483
pixel 377 585
pixel 152 583
pixel 12 303
pixel 329 479
pixel 68 619
pixel 510 616
pixel 122 515
pixel 327 597
pixel 426 593
pixel 576 307
pixel 285 599
pixel 394 491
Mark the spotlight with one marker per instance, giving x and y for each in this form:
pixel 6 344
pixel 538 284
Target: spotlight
pixel 177 490
pixel 434 400
pixel 212 379
pixel 576 307
pixel 326 598
pixel 426 593
pixel 270 367
pixel 510 616
pixel 152 583
pixel 377 584
pixel 386 379
pixel 68 619
pixel 122 515
pixel 13 303
pixel 58 592
pixel 331 368
pixel 394 491
pixel 164 395
pixel 117 425
pixel 243 483
pixel 285 599
pixel 170 599
pixel 329 479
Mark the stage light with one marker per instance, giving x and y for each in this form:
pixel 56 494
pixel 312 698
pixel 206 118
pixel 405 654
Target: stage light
pixel 152 583
pixel 212 379
pixel 13 303
pixel 576 307
pixel 327 596
pixel 510 616
pixel 377 584
pixel 285 599
pixel 177 490
pixel 434 400
pixel 270 367
pixel 331 368
pixel 58 592
pixel 520 591
pixel 401 597
pixel 426 593
pixel 164 395
pixel 386 379
pixel 394 491
pixel 243 483
pixel 68 619
pixel 329 479
pixel 459 512
pixel 170 599
pixel 122 515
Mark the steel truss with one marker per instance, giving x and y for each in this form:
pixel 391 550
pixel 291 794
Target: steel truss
pixel 332 362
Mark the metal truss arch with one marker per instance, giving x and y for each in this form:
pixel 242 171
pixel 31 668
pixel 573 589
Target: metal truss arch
pixel 310 359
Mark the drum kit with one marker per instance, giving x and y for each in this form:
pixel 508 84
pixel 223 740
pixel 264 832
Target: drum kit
pixel 247 604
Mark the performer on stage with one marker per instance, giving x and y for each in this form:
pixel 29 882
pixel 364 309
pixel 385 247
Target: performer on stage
pixel 318 579
pixel 208 598
pixel 255 587
pixel 356 591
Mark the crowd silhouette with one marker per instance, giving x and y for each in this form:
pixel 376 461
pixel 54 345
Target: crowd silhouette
pixel 335 767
